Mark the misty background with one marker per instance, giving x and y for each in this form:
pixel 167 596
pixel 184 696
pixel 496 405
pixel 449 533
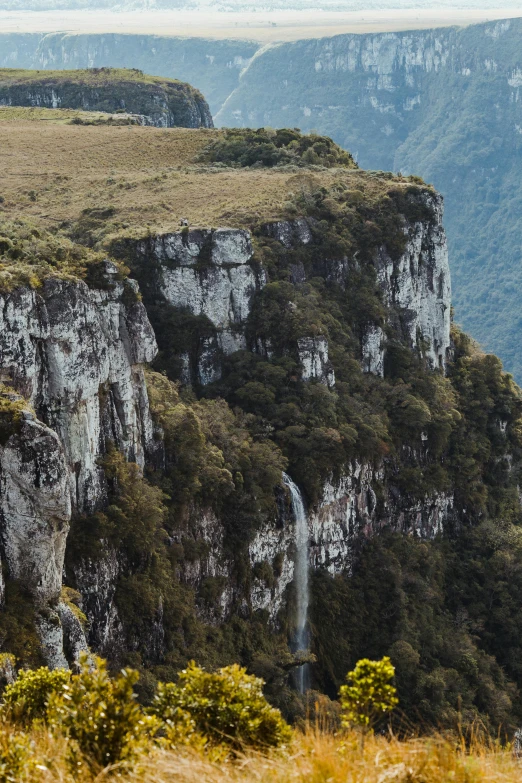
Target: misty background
pixel 265 5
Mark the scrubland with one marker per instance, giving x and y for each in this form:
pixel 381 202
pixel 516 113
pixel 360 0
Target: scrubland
pixel 314 757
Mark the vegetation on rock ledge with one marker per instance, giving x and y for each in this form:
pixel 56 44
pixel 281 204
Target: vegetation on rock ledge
pixel 240 147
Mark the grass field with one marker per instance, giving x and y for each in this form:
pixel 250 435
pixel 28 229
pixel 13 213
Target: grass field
pixel 314 757
pixel 51 171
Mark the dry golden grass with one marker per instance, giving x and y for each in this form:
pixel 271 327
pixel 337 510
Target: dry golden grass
pixel 53 116
pixel 50 172
pixel 315 758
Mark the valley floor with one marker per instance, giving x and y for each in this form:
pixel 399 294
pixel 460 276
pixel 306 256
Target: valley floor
pixel 265 26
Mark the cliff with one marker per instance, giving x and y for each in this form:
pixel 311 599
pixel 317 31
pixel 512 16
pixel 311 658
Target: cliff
pixel 72 355
pixel 160 382
pixel 160 102
pixel 416 101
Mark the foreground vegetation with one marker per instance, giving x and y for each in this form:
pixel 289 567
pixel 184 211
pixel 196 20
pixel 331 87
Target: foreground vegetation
pixel 314 756
pixel 58 726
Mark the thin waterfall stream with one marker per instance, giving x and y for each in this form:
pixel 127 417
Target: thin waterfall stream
pixel 301 639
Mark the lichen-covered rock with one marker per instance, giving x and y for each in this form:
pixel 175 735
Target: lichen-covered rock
pixel 222 246
pixel 372 347
pixel 291 233
pixel 74 639
pixel 207 272
pixel 75 353
pixel 313 355
pixel 418 286
pixel 96 581
pixel 35 508
pixel 51 636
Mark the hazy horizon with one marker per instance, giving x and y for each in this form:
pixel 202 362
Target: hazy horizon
pixel 230 6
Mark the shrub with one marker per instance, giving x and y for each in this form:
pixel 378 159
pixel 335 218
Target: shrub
pixel 100 716
pixel 27 698
pixel 265 147
pixel 225 708
pixel 368 694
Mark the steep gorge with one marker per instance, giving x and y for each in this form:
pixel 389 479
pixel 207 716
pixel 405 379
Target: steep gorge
pixel 418 101
pixel 316 343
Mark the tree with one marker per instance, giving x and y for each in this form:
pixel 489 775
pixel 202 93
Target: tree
pixel 368 694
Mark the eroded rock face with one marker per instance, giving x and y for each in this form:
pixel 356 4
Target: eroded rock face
pixel 372 346
pixel 35 508
pixel 164 104
pixel 75 353
pixel 313 355
pixel 96 580
pixel 290 233
pixel 418 286
pixel 347 510
pixel 209 273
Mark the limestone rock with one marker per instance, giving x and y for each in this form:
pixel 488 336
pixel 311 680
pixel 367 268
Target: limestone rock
pixel 373 350
pixel 313 355
pixel 418 285
pixel 75 353
pixel 208 272
pixel 35 508
pixel 290 233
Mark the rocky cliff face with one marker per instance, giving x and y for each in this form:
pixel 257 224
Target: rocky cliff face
pixel 397 101
pixel 207 273
pixel 348 509
pixel 418 288
pixel 215 274
pixel 75 353
pixel 157 102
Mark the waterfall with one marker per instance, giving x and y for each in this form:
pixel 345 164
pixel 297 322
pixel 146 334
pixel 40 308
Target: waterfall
pixel 300 578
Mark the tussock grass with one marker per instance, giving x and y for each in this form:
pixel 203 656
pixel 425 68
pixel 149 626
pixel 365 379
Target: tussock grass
pixel 314 757
pixel 50 172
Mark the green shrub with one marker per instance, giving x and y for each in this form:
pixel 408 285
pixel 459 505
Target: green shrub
pixel 27 698
pixel 368 694
pixel 100 716
pixel 266 147
pixel 225 708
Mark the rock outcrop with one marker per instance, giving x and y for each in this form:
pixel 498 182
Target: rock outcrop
pixel 35 507
pixel 75 354
pixel 418 287
pixel 313 355
pixel 208 273
pixel 348 509
pixel 35 510
pixel 160 102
